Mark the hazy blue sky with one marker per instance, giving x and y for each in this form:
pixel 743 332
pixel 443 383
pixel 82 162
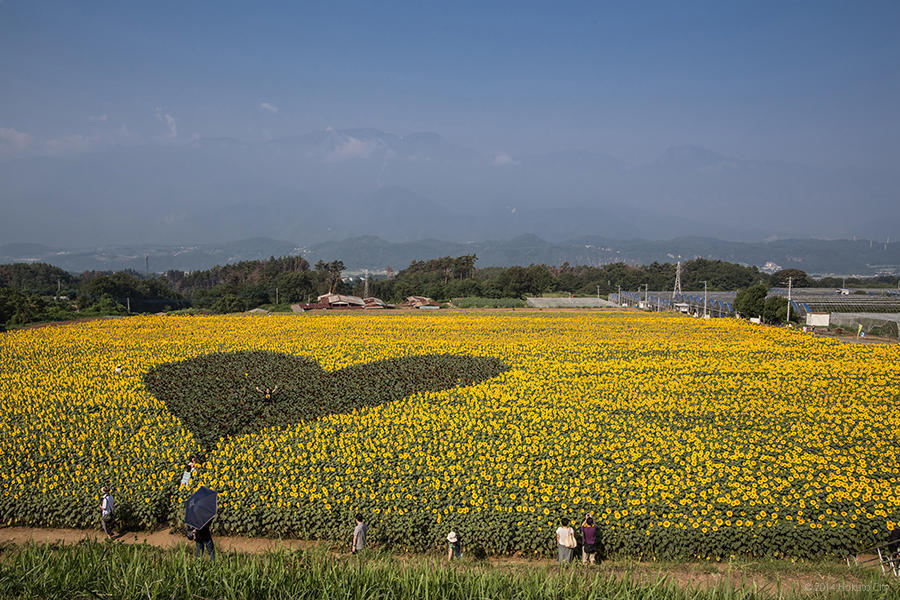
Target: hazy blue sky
pixel 811 81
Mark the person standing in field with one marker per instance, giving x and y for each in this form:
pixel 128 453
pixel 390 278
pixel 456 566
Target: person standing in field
pixel 267 394
pixel 565 541
pixel 589 536
pixel 454 550
pixel 359 535
pixel 107 511
pixel 203 541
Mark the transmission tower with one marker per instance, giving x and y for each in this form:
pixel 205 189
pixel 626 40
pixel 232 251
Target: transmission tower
pixel 677 289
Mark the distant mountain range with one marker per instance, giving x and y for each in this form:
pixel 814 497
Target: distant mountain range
pixel 336 184
pixel 814 256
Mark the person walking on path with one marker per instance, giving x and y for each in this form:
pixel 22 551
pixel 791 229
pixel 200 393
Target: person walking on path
pixel 565 540
pixel 454 551
pixel 203 541
pixel 359 535
pixel 107 512
pixel 589 535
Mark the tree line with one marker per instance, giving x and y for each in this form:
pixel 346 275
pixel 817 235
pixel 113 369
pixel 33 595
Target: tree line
pixel 34 292
pixel 445 278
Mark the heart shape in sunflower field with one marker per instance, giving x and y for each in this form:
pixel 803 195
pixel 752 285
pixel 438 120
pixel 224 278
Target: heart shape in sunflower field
pixel 221 395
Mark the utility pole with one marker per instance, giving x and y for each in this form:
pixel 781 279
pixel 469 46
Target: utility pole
pixel 598 292
pixel 366 287
pixel 128 304
pixel 790 280
pixel 646 293
pixel 276 294
pixel 58 288
pixel 619 294
pixel 147 264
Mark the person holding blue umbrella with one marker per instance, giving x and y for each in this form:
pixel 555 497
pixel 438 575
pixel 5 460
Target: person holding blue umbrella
pixel 199 511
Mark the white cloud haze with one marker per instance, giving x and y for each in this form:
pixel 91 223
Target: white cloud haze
pixel 268 107
pixel 13 141
pixel 78 143
pixel 503 159
pixel 167 120
pixel 353 148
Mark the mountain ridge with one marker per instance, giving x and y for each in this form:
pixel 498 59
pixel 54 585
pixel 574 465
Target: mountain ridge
pixel 815 256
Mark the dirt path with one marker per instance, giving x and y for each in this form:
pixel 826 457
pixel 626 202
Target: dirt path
pixel 161 539
pixel 767 579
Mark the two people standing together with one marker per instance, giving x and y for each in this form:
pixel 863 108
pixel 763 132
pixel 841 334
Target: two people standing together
pixel 567 543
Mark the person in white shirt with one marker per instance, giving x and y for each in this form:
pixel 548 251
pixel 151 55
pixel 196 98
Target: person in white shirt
pixel 107 511
pixel 359 535
pixel 565 540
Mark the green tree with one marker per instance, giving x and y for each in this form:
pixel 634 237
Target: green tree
pixel 331 272
pixel 751 301
pixel 10 300
pixel 228 303
pixel 106 305
pixel 798 278
pixel 775 310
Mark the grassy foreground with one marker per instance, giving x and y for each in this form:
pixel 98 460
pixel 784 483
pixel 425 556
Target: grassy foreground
pixel 103 570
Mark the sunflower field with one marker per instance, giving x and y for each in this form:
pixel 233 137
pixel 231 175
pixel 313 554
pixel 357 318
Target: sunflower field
pixel 683 437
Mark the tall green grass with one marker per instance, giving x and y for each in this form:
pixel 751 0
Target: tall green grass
pixel 103 570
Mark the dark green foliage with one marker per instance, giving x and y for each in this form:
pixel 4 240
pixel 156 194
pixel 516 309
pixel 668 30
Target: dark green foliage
pixel 331 272
pixel 127 289
pixel 250 272
pixel 798 278
pixel 20 308
pixel 228 303
pixel 249 284
pixel 215 395
pixel 36 278
pixel 448 277
pixel 106 305
pixel 11 301
pixel 751 301
pixel 252 283
pixel 775 310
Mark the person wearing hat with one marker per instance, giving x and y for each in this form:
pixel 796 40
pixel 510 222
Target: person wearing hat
pixel 454 550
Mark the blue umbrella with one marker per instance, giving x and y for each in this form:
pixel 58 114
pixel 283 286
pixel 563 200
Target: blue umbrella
pixel 201 507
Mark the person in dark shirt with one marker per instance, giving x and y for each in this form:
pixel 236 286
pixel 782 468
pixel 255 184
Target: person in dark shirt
pixel 203 540
pixel 107 512
pixel 589 536
pixel 267 394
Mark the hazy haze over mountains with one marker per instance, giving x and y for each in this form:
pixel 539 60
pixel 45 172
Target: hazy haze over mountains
pixel 333 184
